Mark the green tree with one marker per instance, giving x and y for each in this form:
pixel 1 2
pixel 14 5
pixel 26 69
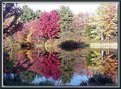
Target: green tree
pixel 66 23
pixel 66 18
pixel 38 13
pixel 92 30
pixel 87 32
pixel 93 57
pixel 67 71
pixel 29 14
pixel 27 76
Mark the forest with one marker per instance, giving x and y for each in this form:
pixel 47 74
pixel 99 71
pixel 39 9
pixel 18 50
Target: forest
pixel 57 45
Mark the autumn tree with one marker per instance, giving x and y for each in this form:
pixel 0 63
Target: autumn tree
pixel 47 64
pixel 11 23
pixel 31 32
pixel 22 65
pixel 49 24
pixel 79 22
pixel 93 60
pixel 103 24
pixel 92 57
pixel 50 66
pixel 107 19
pixel 42 28
pixel 110 63
pixel 92 30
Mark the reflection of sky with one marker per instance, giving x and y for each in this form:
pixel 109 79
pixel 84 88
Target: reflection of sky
pixel 38 79
pixel 76 79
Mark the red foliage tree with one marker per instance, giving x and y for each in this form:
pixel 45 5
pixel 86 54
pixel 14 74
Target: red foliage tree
pixel 46 26
pixel 49 24
pixel 51 65
pixel 33 27
pixel 22 63
pixel 37 59
pixel 47 64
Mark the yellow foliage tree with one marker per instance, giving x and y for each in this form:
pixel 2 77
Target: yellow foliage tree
pixel 107 19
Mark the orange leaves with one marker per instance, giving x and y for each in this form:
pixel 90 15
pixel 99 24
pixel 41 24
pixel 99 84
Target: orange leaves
pixel 111 65
pixel 20 36
pixel 29 55
pixel 29 35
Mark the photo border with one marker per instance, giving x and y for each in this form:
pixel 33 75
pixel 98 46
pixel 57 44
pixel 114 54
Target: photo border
pixel 1 34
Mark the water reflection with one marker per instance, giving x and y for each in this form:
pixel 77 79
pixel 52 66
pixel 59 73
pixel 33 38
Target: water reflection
pixel 33 66
pixel 57 48
pixel 71 45
pixel 98 80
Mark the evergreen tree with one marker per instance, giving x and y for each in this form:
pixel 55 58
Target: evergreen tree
pixel 66 21
pixel 28 14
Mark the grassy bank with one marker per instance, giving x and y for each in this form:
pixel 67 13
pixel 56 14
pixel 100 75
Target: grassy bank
pixel 103 45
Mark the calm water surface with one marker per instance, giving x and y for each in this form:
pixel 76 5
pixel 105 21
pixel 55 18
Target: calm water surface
pixel 60 66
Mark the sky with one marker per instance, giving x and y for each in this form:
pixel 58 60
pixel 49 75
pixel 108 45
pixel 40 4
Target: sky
pixel 76 7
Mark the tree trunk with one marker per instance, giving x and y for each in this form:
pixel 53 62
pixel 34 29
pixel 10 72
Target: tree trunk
pixel 102 37
pixel 102 53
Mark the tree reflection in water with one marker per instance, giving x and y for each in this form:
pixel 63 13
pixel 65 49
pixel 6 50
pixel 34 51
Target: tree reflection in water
pixel 98 80
pixel 62 66
pixel 71 45
pixel 56 45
